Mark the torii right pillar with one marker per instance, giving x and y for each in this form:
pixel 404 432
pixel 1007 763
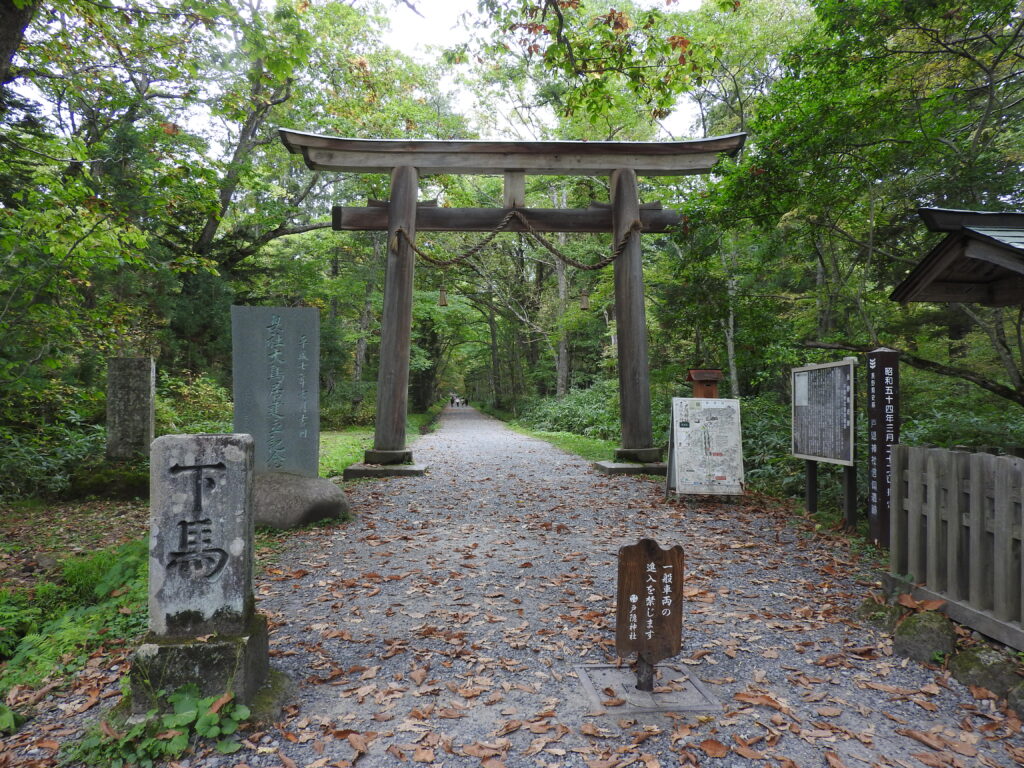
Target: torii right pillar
pixel 631 322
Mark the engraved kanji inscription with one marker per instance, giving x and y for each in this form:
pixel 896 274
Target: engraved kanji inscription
pixel 650 594
pixel 197 556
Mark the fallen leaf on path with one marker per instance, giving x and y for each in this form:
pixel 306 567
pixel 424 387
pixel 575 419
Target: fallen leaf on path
pixel 92 696
pixel 761 700
pixel 423 755
pixel 748 753
pixel 358 742
pixel 713 748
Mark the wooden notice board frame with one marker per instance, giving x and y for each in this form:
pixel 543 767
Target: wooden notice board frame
pixel 807 394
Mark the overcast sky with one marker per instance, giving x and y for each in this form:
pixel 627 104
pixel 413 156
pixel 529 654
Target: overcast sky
pixel 438 24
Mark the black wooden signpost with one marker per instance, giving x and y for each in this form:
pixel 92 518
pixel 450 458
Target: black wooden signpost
pixel 649 616
pixel 883 434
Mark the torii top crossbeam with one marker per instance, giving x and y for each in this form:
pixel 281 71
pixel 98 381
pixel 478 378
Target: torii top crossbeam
pixel 558 158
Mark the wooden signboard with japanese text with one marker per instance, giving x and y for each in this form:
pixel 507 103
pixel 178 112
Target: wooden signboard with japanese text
pixel 823 412
pixel 649 617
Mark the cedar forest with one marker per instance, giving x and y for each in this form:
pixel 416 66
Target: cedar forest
pixel 144 190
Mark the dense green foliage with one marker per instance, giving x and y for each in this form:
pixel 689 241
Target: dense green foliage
pixel 143 190
pixel 50 629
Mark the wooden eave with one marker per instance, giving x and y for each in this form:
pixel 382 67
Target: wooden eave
pixel 580 158
pixel 969 266
pixel 953 219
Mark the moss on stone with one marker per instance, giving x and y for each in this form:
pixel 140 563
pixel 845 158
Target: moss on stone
pixel 879 615
pixel 925 637
pixel 1015 699
pixel 985 667
pixel 269 700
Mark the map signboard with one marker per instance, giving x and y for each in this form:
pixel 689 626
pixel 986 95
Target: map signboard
pixel 706 446
pixel 823 412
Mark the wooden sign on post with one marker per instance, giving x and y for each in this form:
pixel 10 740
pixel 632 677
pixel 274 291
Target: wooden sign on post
pixel 649 617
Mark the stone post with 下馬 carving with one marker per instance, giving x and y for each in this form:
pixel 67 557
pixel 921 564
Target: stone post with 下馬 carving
pixel 203 626
pixel 649 615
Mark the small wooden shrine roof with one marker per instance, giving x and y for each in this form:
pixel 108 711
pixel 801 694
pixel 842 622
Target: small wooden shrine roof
pixel 980 261
pixel 580 158
pixel 704 374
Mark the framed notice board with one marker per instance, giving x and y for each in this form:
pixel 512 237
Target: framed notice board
pixel 705 447
pixel 823 412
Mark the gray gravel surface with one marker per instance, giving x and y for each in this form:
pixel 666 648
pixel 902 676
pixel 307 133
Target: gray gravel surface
pixel 445 625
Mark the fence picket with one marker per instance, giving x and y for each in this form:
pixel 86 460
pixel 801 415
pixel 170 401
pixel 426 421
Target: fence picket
pixel 915 504
pixel 934 575
pixel 976 533
pixel 1003 590
pixel 956 471
pixel 898 513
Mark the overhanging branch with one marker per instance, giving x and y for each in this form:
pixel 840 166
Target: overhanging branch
pixel 1014 395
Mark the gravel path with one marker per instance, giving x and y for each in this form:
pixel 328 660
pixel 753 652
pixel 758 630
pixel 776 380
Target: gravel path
pixel 444 626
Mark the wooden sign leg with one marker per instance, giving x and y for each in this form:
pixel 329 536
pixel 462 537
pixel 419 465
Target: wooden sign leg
pixel 396 324
pixel 644 674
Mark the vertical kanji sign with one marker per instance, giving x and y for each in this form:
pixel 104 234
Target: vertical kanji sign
pixel 649 617
pixel 883 434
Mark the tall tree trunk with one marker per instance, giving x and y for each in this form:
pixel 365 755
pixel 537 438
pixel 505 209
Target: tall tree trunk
pixel 366 315
pixel 13 21
pixel 729 323
pixel 492 374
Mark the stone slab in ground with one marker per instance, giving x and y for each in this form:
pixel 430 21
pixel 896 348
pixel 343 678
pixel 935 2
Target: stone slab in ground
pixel 687 695
pixel 361 471
pixel 627 468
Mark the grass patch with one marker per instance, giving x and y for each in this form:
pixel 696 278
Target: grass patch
pixel 590 448
pixel 340 449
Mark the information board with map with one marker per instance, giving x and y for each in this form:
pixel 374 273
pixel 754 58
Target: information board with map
pixel 823 412
pixel 706 446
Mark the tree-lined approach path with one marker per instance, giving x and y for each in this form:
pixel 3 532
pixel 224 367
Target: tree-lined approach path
pixel 444 624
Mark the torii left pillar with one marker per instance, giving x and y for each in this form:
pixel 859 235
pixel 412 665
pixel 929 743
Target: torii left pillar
pixel 631 325
pixel 396 325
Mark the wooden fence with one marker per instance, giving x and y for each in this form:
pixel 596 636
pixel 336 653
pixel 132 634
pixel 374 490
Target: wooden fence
pixel 956 530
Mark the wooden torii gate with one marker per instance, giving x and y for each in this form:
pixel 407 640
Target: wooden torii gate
pixel 401 216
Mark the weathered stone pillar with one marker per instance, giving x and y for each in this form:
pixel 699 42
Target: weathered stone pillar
pixel 396 325
pixel 203 628
pixel 131 395
pixel 631 322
